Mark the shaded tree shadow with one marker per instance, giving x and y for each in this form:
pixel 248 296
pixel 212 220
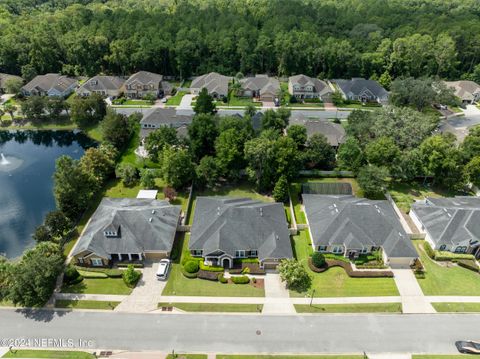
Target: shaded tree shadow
pixel 42 314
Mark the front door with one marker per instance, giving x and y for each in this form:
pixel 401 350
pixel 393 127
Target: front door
pixel 226 263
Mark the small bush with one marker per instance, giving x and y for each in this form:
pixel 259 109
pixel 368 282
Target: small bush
pixel 70 274
pixel 125 265
pixel 428 249
pixel 210 268
pixel 318 260
pixel 191 266
pixel 243 279
pixel 131 276
pixel 189 275
pixel 222 279
pixel 5 123
pixel 245 270
pixel 254 280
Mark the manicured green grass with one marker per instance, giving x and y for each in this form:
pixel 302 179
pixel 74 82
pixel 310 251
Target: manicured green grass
pixel 175 100
pixel 296 191
pixel 45 126
pixel 319 105
pixel 290 356
pixel 187 356
pixel 241 101
pixel 98 286
pixel 440 280
pixel 335 282
pixel 215 307
pixel 457 307
pixel 179 285
pixel 86 304
pixel 404 194
pixel 134 103
pixel 244 189
pixel 57 354
pixel 95 132
pixel 350 308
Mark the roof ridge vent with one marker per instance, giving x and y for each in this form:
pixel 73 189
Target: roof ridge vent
pixel 150 219
pixel 261 212
pixel 153 211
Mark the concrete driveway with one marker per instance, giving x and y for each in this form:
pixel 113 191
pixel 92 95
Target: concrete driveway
pixel 186 102
pixel 413 300
pixel 146 295
pixel 276 296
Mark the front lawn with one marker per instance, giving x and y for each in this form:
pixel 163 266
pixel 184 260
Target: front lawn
pixel 175 100
pixel 129 155
pixel 86 304
pixel 335 282
pixel 179 285
pixel 440 280
pixel 215 307
pixel 57 354
pixel 240 101
pixel 243 189
pixel 296 191
pixel 457 307
pixel 350 308
pixel 98 286
pixel 132 103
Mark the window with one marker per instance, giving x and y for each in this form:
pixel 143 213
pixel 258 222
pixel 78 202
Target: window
pixel 240 254
pixel 442 247
pixel 364 250
pixel 337 250
pixel 197 252
pixel 322 248
pixel 460 249
pixel 80 260
pixel 253 253
pixel 97 262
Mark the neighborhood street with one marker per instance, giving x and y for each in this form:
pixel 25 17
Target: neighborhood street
pixel 247 333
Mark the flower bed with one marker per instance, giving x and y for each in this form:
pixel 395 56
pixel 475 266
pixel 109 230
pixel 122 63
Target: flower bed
pixel 349 270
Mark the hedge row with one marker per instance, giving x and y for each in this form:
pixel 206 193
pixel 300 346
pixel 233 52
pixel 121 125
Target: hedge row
pixel 468 264
pixel 429 250
pixel 125 265
pixel 449 256
pixel 348 269
pixel 243 279
pixel 188 275
pixel 209 268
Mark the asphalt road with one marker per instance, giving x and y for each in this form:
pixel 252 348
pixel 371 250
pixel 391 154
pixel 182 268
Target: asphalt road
pixel 223 112
pixel 247 333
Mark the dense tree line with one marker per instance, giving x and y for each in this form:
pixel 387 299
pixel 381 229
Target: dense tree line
pixel 371 38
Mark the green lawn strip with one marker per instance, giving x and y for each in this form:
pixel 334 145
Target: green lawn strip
pixel 98 286
pixel 243 189
pixel 307 104
pixel 350 308
pixel 239 101
pixel 441 280
pixel 94 132
pixel 89 274
pixel 187 356
pixel 441 356
pixel 57 354
pixel 179 285
pixel 290 356
pixel 175 100
pixel 404 194
pixel 85 304
pixel 335 282
pixel 457 307
pixel 215 307
pixel 132 103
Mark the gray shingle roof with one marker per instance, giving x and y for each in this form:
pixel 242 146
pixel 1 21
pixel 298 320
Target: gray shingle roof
pixel 319 86
pixel 451 221
pixel 165 117
pixel 49 81
pixel 464 89
pixel 213 82
pixel 145 78
pixel 261 83
pixel 143 225
pixel 356 223
pixel 229 224
pixel 102 83
pixel 357 85
pixel 334 132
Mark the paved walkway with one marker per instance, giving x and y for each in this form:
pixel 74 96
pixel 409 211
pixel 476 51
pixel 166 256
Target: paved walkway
pixel 413 300
pixel 146 295
pixel 99 297
pixel 186 102
pixel 277 298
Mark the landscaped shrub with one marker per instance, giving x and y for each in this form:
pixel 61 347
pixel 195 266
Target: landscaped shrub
pixel 336 257
pixel 202 274
pixel 125 265
pixel 210 268
pixel 93 275
pixel 243 279
pixel 109 272
pixel 428 249
pixel 449 256
pixel 318 259
pixel 189 275
pixel 191 266
pixel 131 276
pixel 254 280
pixel 221 278
pixel 70 274
pixel 245 270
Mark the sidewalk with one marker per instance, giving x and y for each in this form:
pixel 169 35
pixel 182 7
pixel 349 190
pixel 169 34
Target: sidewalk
pixel 413 300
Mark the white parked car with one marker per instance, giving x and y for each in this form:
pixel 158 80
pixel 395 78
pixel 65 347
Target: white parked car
pixel 163 268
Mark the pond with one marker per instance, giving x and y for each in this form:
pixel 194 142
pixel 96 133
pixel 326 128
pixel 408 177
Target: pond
pixel 27 163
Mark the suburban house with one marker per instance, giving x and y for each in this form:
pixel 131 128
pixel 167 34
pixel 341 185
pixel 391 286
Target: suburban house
pixel 145 83
pixel 350 226
pixel 50 85
pixel 130 229
pixel 467 91
pixel 226 228
pixel 261 87
pixel 360 89
pixel 159 117
pixel 449 224
pixel 334 132
pixel 302 86
pixel 108 86
pixel 215 83
pixel 4 79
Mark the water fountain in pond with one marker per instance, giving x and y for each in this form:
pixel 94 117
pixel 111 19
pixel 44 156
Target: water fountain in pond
pixel 3 160
pixel 10 163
